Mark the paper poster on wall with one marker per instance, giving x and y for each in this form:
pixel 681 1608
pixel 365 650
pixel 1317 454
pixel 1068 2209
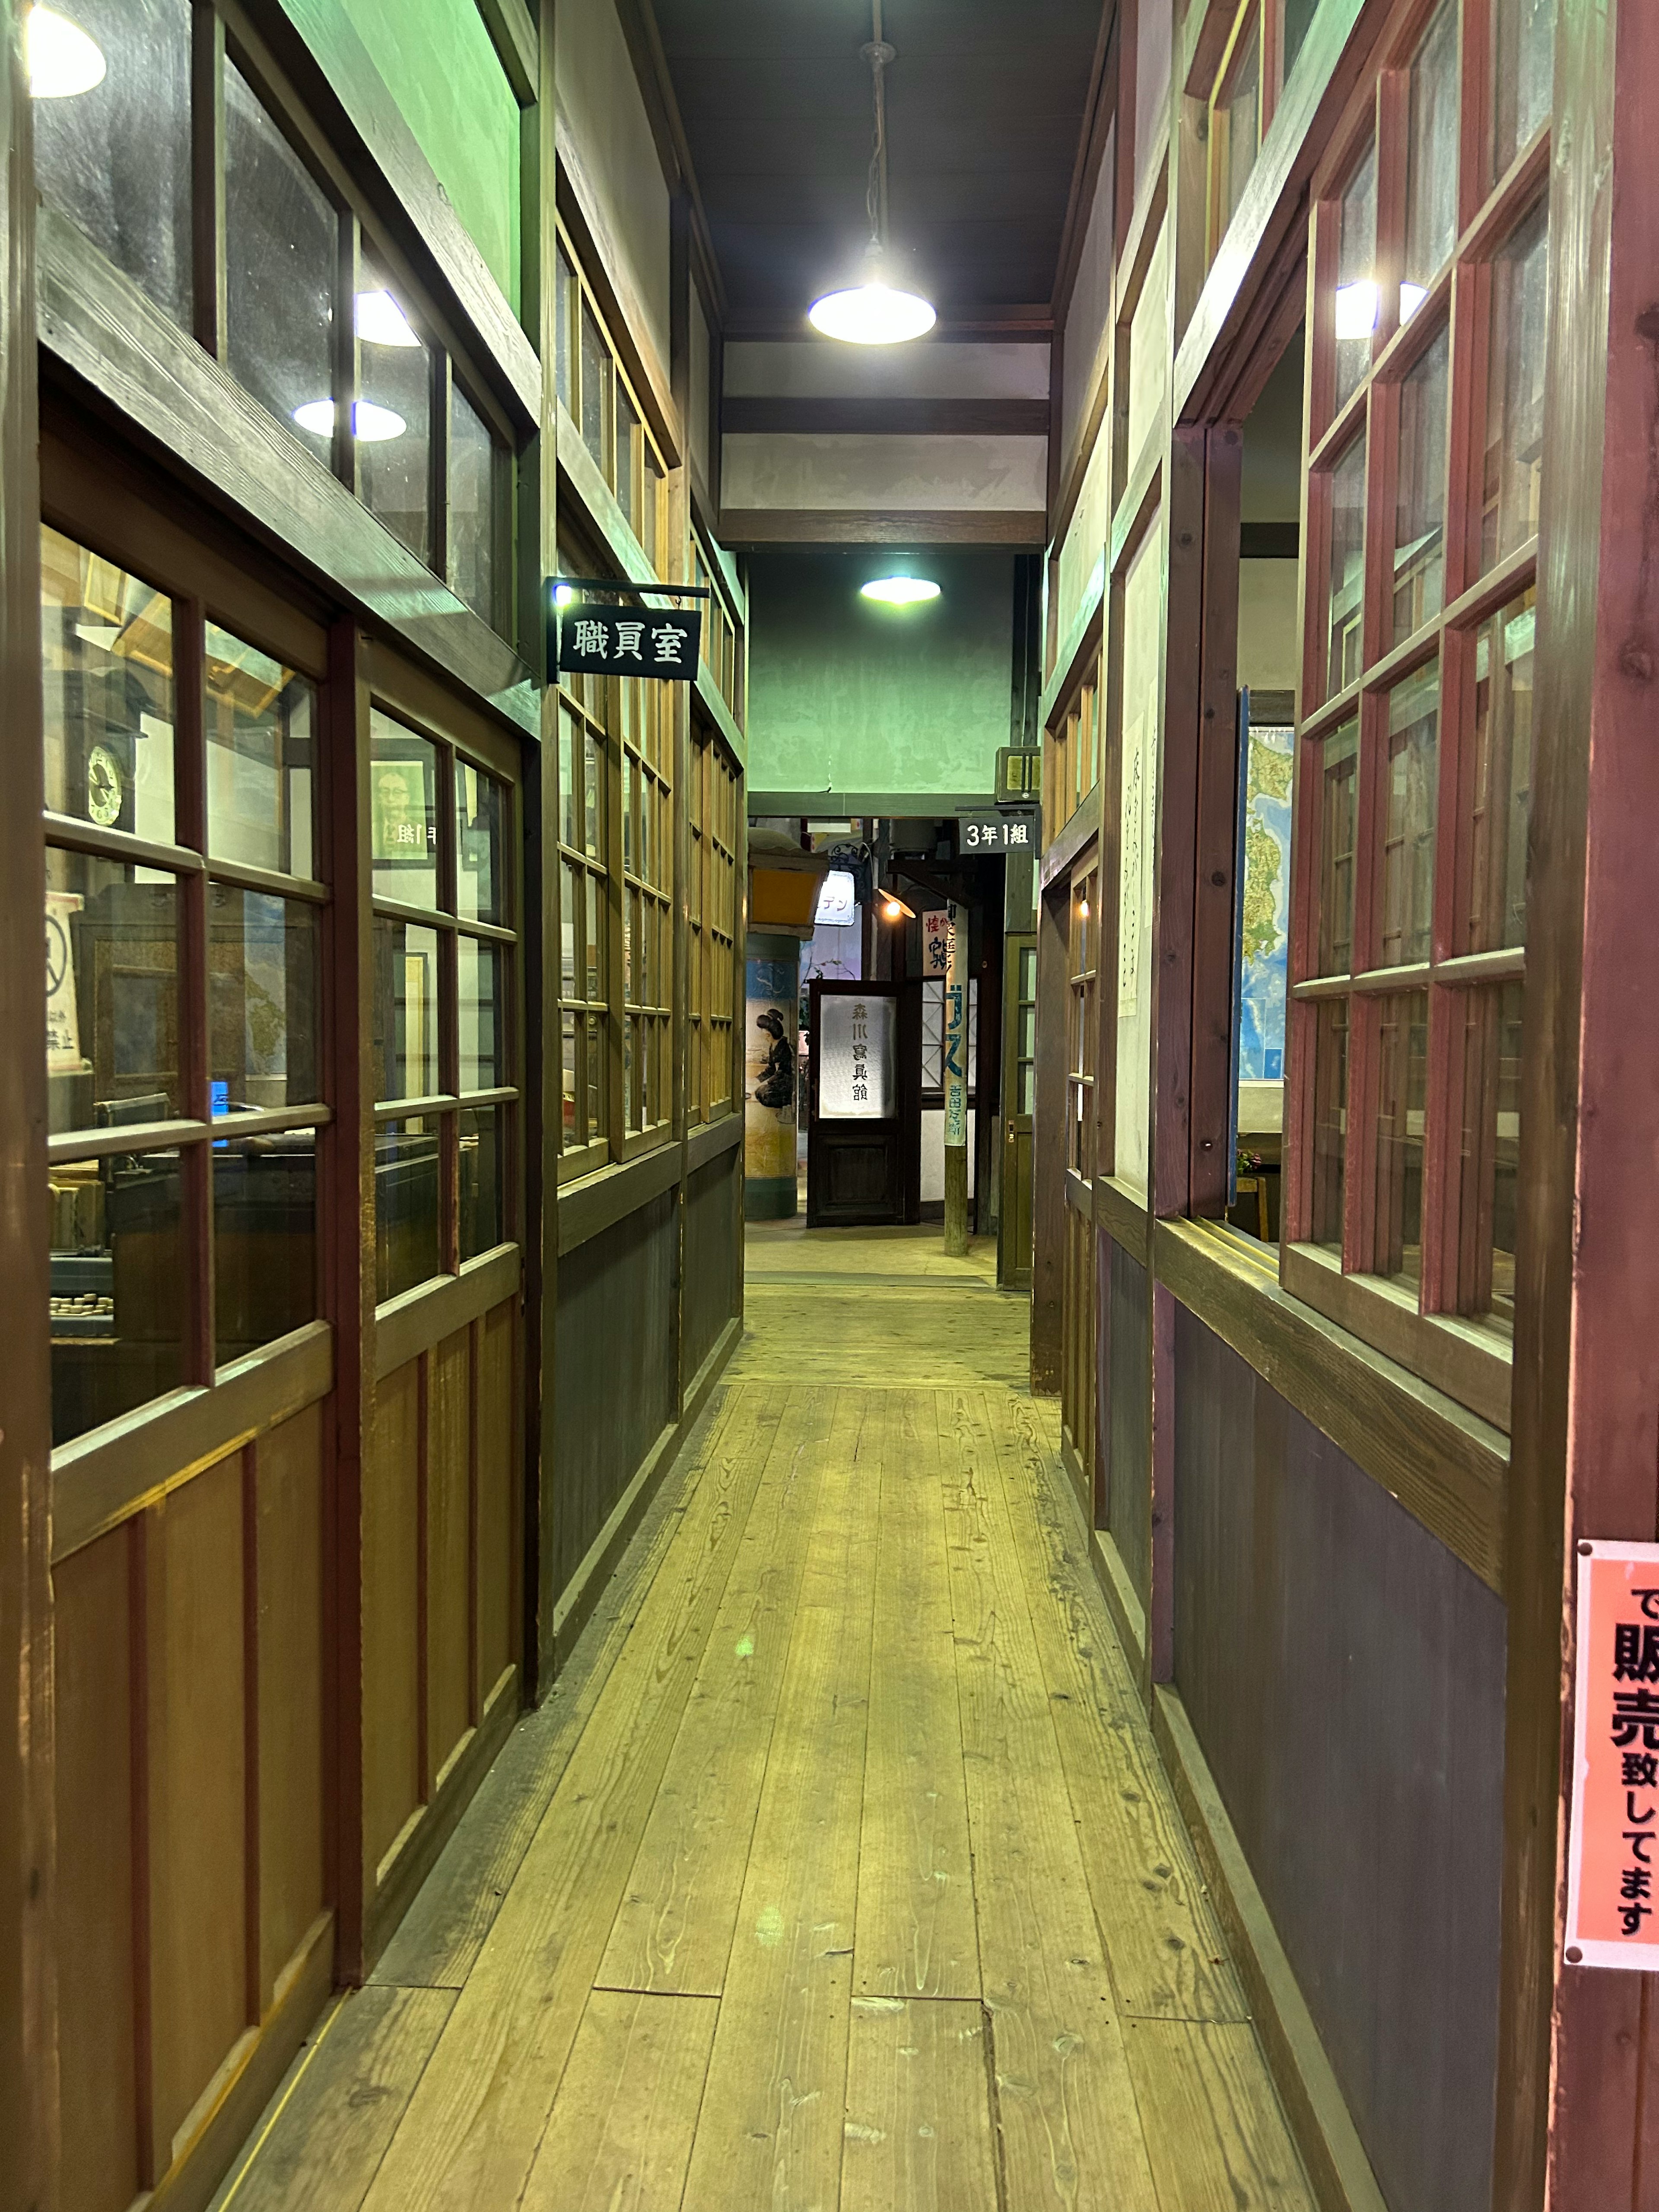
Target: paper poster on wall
pixel 1264 903
pixel 935 941
pixel 1612 1850
pixel 771 1014
pixel 1131 867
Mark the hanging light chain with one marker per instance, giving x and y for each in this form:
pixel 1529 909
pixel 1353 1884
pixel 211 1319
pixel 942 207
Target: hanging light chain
pixel 878 54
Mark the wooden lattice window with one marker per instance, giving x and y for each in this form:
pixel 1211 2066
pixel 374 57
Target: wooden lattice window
pixel 595 390
pixel 712 908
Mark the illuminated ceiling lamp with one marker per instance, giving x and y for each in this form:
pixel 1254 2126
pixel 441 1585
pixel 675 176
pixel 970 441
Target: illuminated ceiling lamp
pixel 61 60
pixel 874 313
pixel 899 591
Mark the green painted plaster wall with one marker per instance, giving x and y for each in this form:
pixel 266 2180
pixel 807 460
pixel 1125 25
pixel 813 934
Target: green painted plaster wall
pixel 850 697
pixel 443 70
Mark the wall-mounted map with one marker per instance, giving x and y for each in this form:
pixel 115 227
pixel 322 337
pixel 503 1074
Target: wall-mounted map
pixel 1265 905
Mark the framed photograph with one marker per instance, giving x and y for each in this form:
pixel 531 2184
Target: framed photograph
pixel 404 821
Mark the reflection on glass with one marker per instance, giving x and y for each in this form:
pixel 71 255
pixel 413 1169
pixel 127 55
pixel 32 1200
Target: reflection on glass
pixel 405 1010
pixel 261 758
pixel 1408 872
pixel 107 679
pixel 471 507
pixel 596 393
pixel 564 291
pixel 1356 295
pixel 1402 1085
pixel 1240 117
pixel 1345 622
pixel 111 993
pixel 394 371
pixel 479 1013
pixel 628 424
pixel 570 1087
pixel 596 1076
pixel 117 1288
pixel 1330 1120
pixel 281 239
pixel 115 158
pixel 1502 795
pixel 650 500
pixel 1522 75
pixel 264 1240
pixel 1339 765
pixel 1297 19
pixel 407 1247
pixel 570 761
pixel 263 984
pixel 1419 515
pixel 570 928
pixel 593 791
pixel 1489 1153
pixel 1514 392
pixel 479 811
pixel 595 952
pixel 1430 158
pixel 482 1191
pixel 403 780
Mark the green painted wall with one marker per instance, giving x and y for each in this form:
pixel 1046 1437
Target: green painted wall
pixel 851 697
pixel 443 70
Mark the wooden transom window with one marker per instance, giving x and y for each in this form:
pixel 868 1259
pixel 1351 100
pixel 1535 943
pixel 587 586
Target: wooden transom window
pixel 1260 51
pixel 1072 755
pixel 712 914
pixel 1082 1020
pixel 184 929
pixel 590 381
pixel 1430 255
pixel 722 630
pixel 445 1052
pixel 648 938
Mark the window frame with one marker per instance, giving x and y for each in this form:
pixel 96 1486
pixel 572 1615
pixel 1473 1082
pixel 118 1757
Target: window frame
pixel 1463 1354
pixel 648 517
pixel 713 949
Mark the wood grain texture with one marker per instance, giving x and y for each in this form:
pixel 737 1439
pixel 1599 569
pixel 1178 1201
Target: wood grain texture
pixel 918 2131
pixel 391 1591
pixel 446 1642
pixel 288 1493
pixel 1217 2136
pixel 620 2136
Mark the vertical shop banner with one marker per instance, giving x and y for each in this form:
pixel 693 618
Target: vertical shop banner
pixel 935 941
pixel 1612 1863
pixel 857 1058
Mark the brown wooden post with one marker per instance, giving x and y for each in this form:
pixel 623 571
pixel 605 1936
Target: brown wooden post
pixel 1585 1459
pixel 1048 1141
pixel 28 2036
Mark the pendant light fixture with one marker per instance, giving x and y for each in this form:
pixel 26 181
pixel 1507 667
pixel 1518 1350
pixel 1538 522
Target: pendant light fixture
pixel 874 313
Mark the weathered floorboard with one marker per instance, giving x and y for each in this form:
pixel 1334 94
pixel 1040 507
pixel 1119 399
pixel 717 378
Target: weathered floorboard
pixel 917 2132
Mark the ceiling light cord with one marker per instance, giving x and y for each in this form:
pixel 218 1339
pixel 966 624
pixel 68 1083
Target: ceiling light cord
pixel 878 54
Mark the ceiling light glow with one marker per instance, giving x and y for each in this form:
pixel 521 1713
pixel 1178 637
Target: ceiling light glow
pixel 381 321
pixel 370 425
pixel 871 315
pixel 899 591
pixel 1412 297
pixel 62 59
pixel 1356 309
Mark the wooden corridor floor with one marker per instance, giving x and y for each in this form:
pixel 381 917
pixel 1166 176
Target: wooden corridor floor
pixel 839 1870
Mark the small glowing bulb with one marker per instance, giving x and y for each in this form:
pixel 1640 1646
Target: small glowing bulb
pixel 892 909
pixel 564 596
pixel 1083 907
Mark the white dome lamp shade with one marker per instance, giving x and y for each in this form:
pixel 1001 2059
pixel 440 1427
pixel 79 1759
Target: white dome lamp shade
pixel 63 60
pixel 876 312
pixel 899 591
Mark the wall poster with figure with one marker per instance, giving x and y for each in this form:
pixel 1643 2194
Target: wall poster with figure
pixel 771 1023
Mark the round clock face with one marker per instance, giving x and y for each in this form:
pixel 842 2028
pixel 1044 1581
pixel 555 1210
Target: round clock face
pixel 104 787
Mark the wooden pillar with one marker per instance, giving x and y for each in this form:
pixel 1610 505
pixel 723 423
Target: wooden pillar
pixel 956 1087
pixel 28 2052
pixel 1048 1141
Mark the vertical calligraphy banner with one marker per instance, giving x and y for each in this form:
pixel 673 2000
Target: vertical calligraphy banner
pixel 1612 1863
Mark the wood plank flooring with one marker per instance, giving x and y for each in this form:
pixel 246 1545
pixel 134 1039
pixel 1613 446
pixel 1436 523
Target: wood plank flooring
pixel 839 1874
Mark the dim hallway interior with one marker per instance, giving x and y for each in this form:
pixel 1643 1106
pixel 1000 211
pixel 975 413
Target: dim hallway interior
pixel 839 1866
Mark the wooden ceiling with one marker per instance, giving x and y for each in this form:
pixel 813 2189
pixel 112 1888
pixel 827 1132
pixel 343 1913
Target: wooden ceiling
pixel 985 108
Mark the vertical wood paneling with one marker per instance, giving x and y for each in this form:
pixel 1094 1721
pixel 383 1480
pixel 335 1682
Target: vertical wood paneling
pixel 391 1644
pixel 96 2019
pixel 1127 1417
pixel 289 1487
pixel 197 1790
pixel 497 1607
pixel 448 1639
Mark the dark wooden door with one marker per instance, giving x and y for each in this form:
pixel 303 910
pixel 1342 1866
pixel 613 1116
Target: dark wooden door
pixel 863 1068
pixel 1018 1083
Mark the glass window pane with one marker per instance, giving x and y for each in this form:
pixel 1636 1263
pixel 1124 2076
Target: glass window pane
pixel 1522 75
pixel 263 984
pixel 1345 621
pixel 1356 295
pixel 480 972
pixel 111 993
pixel 405 1011
pixel 570 923
pixel 1419 514
pixel 650 503
pixel 1490 1151
pixel 569 1086
pixel 596 393
pixel 564 283
pixel 1430 159
pixel 596 1077
pixel 1338 789
pixel 471 507
pixel 1407 870
pixel 1330 1120
pixel 1502 777
pixel 570 760
pixel 119 1281
pixel 480 810
pixel 1403 1084
pixel 596 990
pixel 593 793
pixel 261 758
pixel 483 1186
pixel 403 813
pixel 1240 118
pixel 407 1250
pixel 106 675
pixel 1297 19
pixel 282 236
pixel 112 151
pixel 264 1239
pixel 1515 392
pixel 392 419
pixel 628 422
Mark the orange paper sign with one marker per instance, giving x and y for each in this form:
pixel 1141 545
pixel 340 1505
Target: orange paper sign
pixel 1613 1867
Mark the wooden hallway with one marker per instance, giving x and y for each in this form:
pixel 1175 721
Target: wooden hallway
pixel 839 1869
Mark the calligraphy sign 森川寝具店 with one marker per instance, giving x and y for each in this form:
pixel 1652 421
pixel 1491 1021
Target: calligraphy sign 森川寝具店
pixel 1613 1849
pixel 857 1060
pixel 596 640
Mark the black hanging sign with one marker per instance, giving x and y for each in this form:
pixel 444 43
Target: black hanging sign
pixel 1002 832
pixel 601 641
